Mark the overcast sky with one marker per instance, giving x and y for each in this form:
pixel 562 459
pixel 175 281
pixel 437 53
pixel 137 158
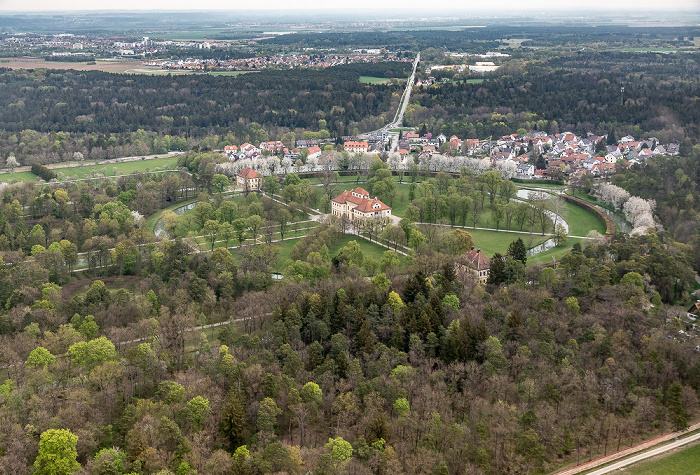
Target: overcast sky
pixel 507 6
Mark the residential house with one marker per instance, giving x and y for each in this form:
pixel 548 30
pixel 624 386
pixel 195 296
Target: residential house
pixel 481 263
pixel 355 147
pixel 231 152
pixel 306 143
pixel 248 151
pixel 357 205
pixel 695 309
pixel 274 146
pixel 525 170
pixel 248 179
pixel 455 143
pixel 314 152
pixel 603 169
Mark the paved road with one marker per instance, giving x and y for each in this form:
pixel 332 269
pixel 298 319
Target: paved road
pixel 405 99
pixel 407 95
pixel 639 449
pixel 646 455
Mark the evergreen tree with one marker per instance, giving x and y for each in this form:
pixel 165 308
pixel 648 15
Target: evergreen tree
pixel 677 412
pixel 233 420
pixel 497 271
pixel 517 251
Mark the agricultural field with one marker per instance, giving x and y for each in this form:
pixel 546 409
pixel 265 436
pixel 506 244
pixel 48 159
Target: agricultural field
pixel 121 66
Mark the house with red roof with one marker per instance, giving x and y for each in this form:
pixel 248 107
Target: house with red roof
pixel 314 152
pixel 357 205
pixel 249 179
pixel 231 151
pixel 355 147
pixel 455 143
pixel 481 263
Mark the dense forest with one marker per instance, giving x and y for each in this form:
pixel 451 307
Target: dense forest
pixel 89 103
pixel 421 373
pixel 484 39
pixel 673 183
pixel 579 92
pixel 251 335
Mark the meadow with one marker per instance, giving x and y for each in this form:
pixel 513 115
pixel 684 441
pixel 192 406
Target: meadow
pixel 78 172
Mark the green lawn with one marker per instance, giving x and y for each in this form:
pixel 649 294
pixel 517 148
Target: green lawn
pixel 581 221
pixel 369 249
pixel 491 242
pixel 112 169
pixel 551 186
pixel 374 80
pixel 684 462
pixel 17 176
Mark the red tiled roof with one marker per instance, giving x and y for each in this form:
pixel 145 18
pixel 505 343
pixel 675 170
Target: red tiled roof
pixel 248 173
pixel 369 205
pixel 314 149
pixel 480 261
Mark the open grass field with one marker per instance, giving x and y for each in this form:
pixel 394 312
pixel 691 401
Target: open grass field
pixel 77 172
pixel 113 169
pixel 581 222
pixel 683 462
pixel 17 176
pixel 369 249
pixel 491 242
pixel 374 80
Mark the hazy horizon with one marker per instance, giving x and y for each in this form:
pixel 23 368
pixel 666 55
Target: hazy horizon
pixel 417 8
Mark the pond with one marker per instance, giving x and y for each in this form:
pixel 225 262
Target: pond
pixel 159 228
